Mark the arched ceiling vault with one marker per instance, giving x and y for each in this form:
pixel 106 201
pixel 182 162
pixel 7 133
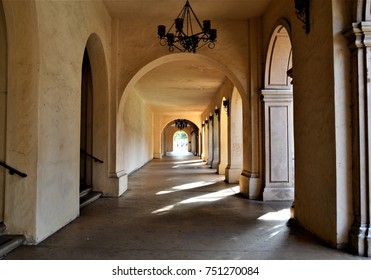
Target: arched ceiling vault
pixel 179 87
pixel 182 86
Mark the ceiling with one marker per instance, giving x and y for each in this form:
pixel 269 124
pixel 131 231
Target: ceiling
pixel 204 9
pixel 182 86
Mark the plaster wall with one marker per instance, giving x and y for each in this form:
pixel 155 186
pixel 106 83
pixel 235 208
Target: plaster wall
pixel 3 75
pixel 317 128
pixel 48 39
pixel 137 146
pixel 22 116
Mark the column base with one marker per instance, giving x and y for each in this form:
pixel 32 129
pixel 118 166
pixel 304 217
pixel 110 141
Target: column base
pixel 250 185
pixel 359 241
pixel 278 194
pixel 157 155
pixel 221 168
pixel 215 164
pixel 118 184
pixel 232 174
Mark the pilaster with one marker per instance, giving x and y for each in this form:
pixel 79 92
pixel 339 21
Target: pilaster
pixel 359 37
pixel 279 151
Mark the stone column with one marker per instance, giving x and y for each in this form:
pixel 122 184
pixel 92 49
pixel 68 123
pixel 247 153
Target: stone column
pixel 216 141
pixel 359 37
pixel 210 142
pixel 278 145
pixel 206 141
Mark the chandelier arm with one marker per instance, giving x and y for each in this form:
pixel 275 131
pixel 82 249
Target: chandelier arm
pixel 175 46
pixel 190 24
pixel 199 24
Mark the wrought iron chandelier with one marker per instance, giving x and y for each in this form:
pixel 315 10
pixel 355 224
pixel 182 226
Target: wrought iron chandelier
pixel 181 124
pixel 187 38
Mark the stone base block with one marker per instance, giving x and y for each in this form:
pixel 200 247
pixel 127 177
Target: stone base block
pixel 278 194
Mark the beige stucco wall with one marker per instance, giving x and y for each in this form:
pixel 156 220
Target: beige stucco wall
pixel 46 42
pixel 321 173
pixel 137 146
pixel 3 70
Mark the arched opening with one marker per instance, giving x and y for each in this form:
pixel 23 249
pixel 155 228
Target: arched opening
pixel 278 119
pixel 180 136
pixel 180 143
pixel 86 126
pixel 158 141
pixel 3 107
pixel 94 163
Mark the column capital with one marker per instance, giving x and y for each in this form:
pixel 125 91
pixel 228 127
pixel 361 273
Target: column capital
pixel 359 35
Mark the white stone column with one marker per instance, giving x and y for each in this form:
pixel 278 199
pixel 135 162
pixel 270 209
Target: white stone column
pixel 359 37
pixel 223 128
pixel 278 145
pixel 235 141
pixel 216 140
pixel 210 142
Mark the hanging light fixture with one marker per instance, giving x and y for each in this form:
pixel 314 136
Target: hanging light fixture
pixel 187 38
pixel 181 124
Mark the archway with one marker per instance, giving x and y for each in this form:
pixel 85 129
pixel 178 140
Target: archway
pixel 278 119
pixel 180 142
pixel 86 126
pixel 94 165
pixel 3 102
pixel 180 136
pixel 158 120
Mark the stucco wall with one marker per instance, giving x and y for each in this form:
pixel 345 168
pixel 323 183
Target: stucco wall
pixel 3 70
pixel 48 38
pixel 137 146
pixel 321 173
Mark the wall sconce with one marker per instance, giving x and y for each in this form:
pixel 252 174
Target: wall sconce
pixel 226 106
pixel 211 118
pixel 217 112
pixel 302 13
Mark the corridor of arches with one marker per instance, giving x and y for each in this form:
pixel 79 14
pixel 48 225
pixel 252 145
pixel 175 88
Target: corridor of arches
pixel 273 118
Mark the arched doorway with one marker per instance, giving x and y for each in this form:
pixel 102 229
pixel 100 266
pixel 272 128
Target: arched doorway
pixel 94 137
pixel 180 142
pixel 86 128
pixel 278 119
pixel 3 102
pixel 180 136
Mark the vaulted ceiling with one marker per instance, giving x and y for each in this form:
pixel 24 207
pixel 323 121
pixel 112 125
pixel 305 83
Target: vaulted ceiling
pixel 182 86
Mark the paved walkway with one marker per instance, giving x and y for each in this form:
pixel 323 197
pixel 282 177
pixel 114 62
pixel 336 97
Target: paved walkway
pixel 178 208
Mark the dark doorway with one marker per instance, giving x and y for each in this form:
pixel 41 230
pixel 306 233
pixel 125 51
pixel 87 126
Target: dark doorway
pixel 86 131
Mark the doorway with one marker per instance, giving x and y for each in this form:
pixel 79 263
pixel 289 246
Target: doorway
pixel 86 131
pixel 180 142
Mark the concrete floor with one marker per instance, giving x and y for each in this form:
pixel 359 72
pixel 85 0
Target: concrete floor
pixel 178 208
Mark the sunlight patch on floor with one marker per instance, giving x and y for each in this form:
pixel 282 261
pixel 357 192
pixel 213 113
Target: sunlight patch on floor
pixel 282 215
pixel 188 186
pixel 210 197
